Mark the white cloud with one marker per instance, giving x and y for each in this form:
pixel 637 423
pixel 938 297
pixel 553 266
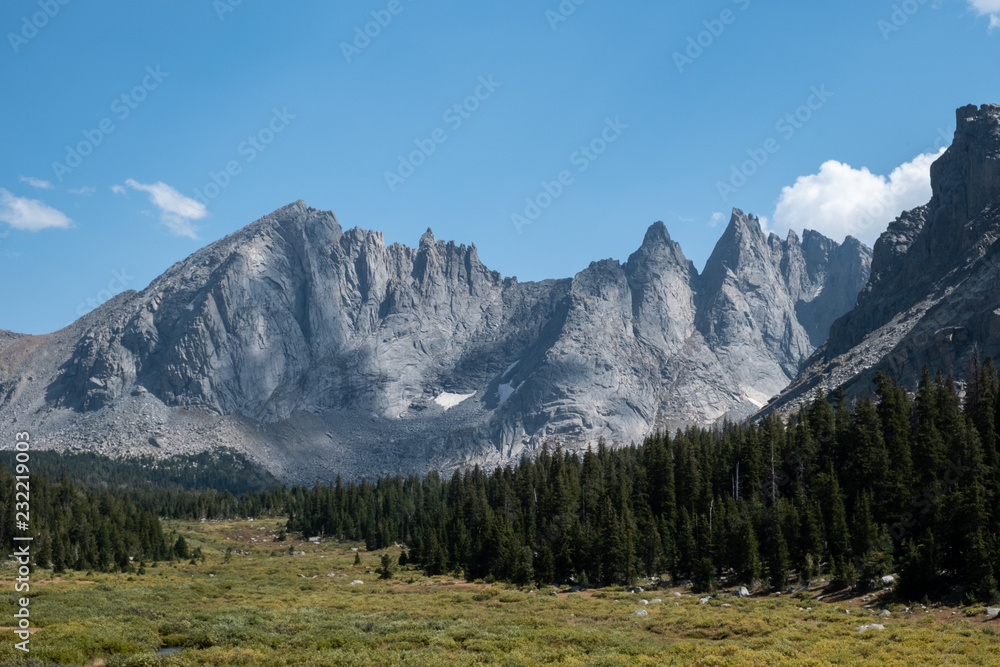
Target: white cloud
pixel 39 183
pixel 841 200
pixel 118 189
pixel 986 6
pixel 716 219
pixel 85 190
pixel 29 214
pixel 176 210
pixel 990 7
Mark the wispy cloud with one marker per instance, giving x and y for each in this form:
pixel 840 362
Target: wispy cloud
pixel 989 8
pixel 842 200
pixel 29 214
pixel 118 189
pixel 39 183
pixel 85 190
pixel 717 217
pixel 176 210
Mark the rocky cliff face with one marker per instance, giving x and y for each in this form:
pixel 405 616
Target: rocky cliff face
pixel 932 298
pixel 319 351
pixel 765 296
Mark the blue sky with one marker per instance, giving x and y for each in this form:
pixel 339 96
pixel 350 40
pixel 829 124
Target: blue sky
pixel 577 126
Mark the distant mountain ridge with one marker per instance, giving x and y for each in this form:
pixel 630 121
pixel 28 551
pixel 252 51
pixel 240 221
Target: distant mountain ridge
pixel 318 351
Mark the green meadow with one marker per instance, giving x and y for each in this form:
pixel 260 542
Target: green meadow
pixel 250 599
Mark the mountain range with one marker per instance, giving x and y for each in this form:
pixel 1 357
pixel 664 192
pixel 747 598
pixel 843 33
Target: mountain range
pixel 318 351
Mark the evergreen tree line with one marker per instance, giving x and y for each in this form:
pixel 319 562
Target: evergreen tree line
pixel 218 470
pixel 81 528
pixel 899 484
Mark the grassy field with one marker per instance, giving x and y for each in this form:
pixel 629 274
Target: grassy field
pixel 266 606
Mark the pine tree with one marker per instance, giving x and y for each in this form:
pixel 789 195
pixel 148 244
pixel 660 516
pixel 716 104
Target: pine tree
pixel 613 544
pixel 704 569
pixel 523 571
pixel 650 544
pixel 983 409
pixel 842 427
pixel 703 580
pixel 43 556
pixel 810 541
pixel 386 567
pixel 867 460
pixel 749 568
pixel 435 559
pixel 845 572
pixel 979 575
pixel 181 548
pixel 777 561
pixel 668 549
pixel 822 424
pixel 545 572
pixel 687 548
pixel 58 555
pixel 919 574
pixel 928 445
pixel 838 535
pixel 752 475
pixel 894 413
pixel 871 544
pixel 105 550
